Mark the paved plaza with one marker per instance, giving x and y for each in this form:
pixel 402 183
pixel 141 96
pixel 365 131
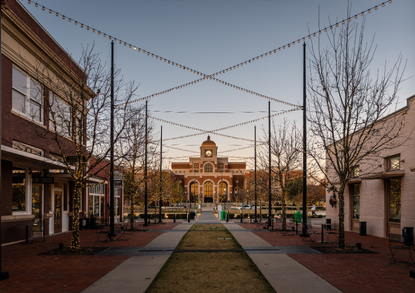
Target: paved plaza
pixel 286 260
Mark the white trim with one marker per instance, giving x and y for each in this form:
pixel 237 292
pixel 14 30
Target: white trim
pixel 16 218
pixel 54 164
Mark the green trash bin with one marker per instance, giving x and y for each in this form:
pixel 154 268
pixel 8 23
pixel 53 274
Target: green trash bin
pixel 298 216
pixel 222 215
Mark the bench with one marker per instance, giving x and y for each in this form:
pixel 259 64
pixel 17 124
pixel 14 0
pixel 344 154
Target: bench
pixel 397 243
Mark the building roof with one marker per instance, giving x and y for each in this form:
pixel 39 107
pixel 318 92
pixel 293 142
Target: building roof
pixel 208 142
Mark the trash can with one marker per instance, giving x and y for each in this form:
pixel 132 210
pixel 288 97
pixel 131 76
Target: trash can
pixel 408 236
pixel 222 215
pixel 362 228
pixel 298 216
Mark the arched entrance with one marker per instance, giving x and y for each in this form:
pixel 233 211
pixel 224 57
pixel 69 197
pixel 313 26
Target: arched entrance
pixel 223 191
pixel 208 191
pixel 193 192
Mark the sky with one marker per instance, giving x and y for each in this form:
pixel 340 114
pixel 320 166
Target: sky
pixel 209 36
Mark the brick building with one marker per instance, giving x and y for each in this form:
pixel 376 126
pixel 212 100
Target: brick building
pixel 382 192
pixel 36 189
pixel 209 178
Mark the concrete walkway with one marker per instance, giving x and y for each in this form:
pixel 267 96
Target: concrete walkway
pixel 137 272
pixel 281 271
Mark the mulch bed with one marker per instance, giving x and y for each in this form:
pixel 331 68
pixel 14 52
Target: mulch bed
pixel 347 250
pixel 69 251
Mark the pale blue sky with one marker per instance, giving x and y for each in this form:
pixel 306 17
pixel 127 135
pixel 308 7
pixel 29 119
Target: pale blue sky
pixel 209 36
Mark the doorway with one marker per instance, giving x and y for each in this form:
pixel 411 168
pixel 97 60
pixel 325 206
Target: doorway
pixel 57 215
pixel 354 190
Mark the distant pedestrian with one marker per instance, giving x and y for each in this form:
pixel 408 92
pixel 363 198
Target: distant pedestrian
pixel 313 210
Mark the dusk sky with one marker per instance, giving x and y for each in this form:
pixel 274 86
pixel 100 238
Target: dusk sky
pixel 212 35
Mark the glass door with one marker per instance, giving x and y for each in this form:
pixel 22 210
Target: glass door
pixel 58 211
pixel 355 206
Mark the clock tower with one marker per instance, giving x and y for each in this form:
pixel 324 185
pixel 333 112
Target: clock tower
pixel 208 149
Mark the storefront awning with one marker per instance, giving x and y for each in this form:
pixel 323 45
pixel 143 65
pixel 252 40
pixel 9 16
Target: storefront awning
pixel 23 159
pixel 384 175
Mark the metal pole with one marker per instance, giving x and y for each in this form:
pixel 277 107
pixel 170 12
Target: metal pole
pixel 304 228
pixel 145 174
pixel 3 275
pixel 256 213
pixel 269 163
pixel 112 233
pixel 161 169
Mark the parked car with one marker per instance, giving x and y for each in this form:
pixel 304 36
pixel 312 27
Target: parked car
pixel 244 207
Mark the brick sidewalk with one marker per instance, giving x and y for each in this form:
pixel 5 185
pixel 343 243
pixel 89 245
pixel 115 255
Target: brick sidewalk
pixel 350 272
pixel 31 272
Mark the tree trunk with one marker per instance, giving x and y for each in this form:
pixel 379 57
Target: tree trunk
pixel 284 214
pixel 132 213
pixel 342 239
pixel 75 243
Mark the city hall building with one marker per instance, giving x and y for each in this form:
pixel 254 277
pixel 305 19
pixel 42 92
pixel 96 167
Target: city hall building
pixel 209 178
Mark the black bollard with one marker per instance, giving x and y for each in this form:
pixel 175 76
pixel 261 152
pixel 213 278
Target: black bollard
pixel 188 218
pixel 227 217
pixel 174 218
pixel 241 217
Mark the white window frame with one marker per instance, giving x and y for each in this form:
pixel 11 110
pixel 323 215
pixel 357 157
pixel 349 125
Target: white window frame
pixel 28 195
pixel 62 112
pixel 31 97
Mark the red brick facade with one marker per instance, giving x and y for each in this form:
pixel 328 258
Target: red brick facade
pixel 209 171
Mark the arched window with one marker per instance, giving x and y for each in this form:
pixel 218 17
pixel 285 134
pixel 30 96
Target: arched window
pixel 208 168
pixel 194 188
pixel 223 189
pixel 208 190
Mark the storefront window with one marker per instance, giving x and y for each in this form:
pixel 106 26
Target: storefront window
pixel 395 200
pixel 91 206
pixel 19 190
pixel 356 201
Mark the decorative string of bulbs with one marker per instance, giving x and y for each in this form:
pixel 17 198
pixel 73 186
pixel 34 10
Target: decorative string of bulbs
pixel 243 148
pixel 246 62
pixel 255 120
pixel 179 149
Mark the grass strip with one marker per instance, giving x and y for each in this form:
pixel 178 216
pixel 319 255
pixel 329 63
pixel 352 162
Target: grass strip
pixel 226 271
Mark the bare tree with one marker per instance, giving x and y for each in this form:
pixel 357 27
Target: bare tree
pixel 286 146
pixel 132 148
pixel 78 109
pixel 348 104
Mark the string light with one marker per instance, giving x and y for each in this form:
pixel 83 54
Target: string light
pixel 231 67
